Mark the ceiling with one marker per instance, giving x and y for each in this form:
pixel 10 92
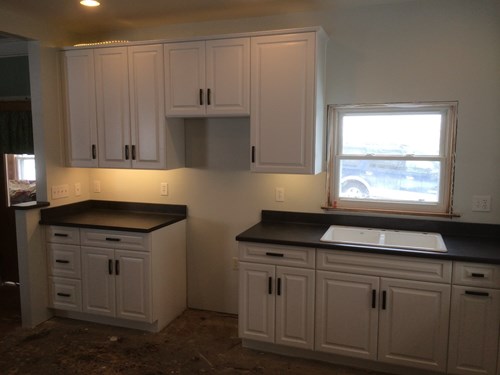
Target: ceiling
pixel 71 17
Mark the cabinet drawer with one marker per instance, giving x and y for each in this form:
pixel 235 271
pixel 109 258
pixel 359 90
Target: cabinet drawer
pixel 64 260
pixel 66 235
pixel 277 254
pixel 65 294
pixel 476 274
pixel 410 268
pixel 115 239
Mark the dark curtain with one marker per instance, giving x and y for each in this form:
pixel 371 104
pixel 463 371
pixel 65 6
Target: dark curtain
pixel 16 132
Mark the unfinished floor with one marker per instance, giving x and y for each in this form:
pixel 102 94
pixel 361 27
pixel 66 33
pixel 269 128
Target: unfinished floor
pixel 198 342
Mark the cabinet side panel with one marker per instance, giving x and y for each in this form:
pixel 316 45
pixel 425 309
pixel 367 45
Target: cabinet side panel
pixel 169 272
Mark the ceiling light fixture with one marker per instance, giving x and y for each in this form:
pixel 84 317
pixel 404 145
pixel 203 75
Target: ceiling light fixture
pixel 90 3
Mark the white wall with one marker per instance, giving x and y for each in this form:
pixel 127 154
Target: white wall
pixel 407 51
pixel 411 51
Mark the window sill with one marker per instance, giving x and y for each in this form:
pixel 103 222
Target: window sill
pixel 392 212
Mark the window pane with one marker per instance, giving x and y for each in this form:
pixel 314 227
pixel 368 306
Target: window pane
pixel 391 134
pixel 390 180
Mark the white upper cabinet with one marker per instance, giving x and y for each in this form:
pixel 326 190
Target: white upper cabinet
pixel 113 118
pixel 208 78
pixel 287 103
pixel 116 109
pixel 147 107
pixel 80 108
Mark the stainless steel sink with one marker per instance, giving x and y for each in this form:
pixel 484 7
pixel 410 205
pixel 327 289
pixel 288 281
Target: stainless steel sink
pixel 424 241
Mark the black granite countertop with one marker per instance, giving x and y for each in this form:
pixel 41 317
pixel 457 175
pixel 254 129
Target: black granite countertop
pixel 134 217
pixel 464 241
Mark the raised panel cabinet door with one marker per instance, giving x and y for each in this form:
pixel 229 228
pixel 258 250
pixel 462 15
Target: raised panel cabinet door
pixel 295 307
pixel 80 100
pixel 133 285
pixel 113 113
pixel 228 77
pixel 256 302
pixel 282 103
pixel 98 281
pixel 185 79
pixel 474 330
pixel 147 106
pixel 347 314
pixel 413 323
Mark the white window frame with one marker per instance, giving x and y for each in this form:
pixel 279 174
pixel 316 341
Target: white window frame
pixel 444 206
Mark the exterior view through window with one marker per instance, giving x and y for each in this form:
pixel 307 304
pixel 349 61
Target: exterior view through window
pixel 392 157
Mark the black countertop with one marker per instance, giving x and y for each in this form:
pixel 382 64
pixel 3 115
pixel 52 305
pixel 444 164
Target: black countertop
pixel 464 241
pixel 134 217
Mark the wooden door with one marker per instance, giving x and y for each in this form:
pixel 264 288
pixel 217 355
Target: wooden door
pixel 133 285
pixel 228 77
pixel 113 113
pixel 474 330
pixel 257 301
pixel 347 314
pixel 98 281
pixel 413 324
pixel 295 307
pixel 185 93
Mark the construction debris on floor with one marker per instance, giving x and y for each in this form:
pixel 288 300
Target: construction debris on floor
pixel 198 342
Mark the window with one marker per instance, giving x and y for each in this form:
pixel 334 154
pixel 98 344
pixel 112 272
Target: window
pixel 26 167
pixel 395 157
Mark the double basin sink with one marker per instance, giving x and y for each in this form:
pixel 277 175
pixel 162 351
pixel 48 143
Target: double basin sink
pixel 423 241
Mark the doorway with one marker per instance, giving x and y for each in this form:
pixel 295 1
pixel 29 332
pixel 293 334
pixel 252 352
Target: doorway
pixel 16 141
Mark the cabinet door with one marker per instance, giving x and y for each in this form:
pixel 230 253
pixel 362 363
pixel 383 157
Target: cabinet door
pixel 295 307
pixel 185 79
pixel 347 314
pixel 98 281
pixel 474 328
pixel 413 324
pixel 133 285
pixel 113 115
pixel 228 77
pixel 256 301
pixel 282 103
pixel 147 106
pixel 81 122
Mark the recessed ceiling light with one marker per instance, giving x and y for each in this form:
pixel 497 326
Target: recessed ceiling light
pixel 90 3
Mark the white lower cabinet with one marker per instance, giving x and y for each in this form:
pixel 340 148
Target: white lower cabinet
pixel 276 302
pixel 390 320
pixel 475 320
pixel 132 279
pixel 117 283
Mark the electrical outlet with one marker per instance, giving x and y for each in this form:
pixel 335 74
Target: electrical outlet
pixel 279 194
pixel 481 203
pixel 163 188
pixel 60 191
pixel 97 186
pixel 236 265
pixel 78 189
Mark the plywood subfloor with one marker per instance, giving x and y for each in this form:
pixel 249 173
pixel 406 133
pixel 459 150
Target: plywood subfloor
pixel 198 342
